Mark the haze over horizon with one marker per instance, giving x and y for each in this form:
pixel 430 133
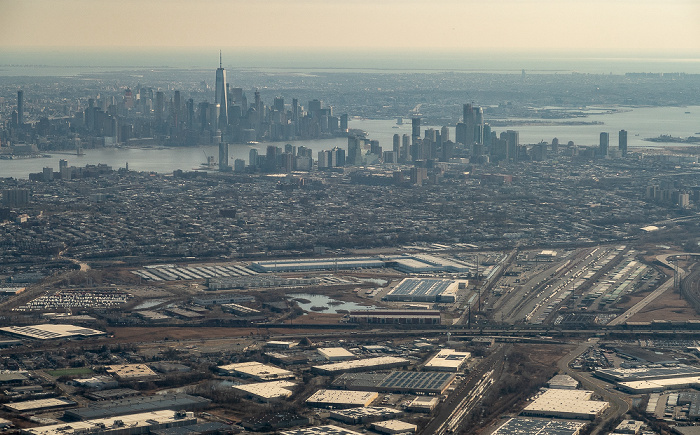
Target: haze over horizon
pixel 633 27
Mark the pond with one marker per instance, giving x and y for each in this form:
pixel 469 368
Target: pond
pixel 325 304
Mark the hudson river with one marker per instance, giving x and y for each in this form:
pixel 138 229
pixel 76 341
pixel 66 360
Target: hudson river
pixel 640 123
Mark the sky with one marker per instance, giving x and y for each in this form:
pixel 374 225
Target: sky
pixel 598 26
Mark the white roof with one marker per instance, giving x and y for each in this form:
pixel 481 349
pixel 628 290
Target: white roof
pixel 47 331
pixel 268 390
pixel 335 352
pixel 396 425
pixel 39 404
pixel 258 370
pixel 448 359
pixel 566 402
pixel 321 430
pixel 343 397
pixel 130 421
pixel 362 363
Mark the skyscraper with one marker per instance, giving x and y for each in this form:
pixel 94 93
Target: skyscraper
pixel 622 142
pixel 223 157
pixel 220 96
pixel 20 108
pixel 604 144
pixel 415 129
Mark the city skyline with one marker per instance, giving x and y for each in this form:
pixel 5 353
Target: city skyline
pixel 569 26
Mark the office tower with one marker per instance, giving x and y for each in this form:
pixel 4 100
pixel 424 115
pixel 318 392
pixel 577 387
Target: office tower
pixel 478 125
pixel 461 133
pixel 223 156
pixel 220 96
pixel 239 165
pixel 512 139
pixel 190 113
pixel 354 156
pixel 444 134
pixel 295 109
pixel 405 148
pixel 314 107
pixel 415 129
pixel 20 108
pixel 622 142
pixel 253 158
pixel 344 122
pixel 469 119
pixel 160 105
pixel 338 156
pixel 177 101
pixel 486 135
pixel 278 104
pixel 604 144
pixel 396 144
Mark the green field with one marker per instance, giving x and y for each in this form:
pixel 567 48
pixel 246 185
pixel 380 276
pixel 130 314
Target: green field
pixel 70 372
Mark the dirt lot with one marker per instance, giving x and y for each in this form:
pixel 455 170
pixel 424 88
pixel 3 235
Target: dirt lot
pixel 136 335
pixel 668 306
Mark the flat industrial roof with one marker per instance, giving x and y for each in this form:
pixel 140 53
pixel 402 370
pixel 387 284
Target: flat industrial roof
pixel 258 370
pixel 31 405
pixel 321 430
pixel 335 352
pixel 49 332
pixel 343 397
pixel 530 426
pixel 574 402
pixel 447 359
pixel 366 363
pixel 131 371
pixel 267 390
pixel 130 421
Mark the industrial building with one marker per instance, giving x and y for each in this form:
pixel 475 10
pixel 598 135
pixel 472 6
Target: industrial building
pixel 423 263
pixel 131 372
pixel 341 398
pixel 364 414
pixel 401 382
pixel 563 382
pixel 423 404
pixel 258 371
pixel 394 427
pixel 531 426
pixel 424 290
pixel 417 317
pixel 40 405
pixel 266 391
pixel 647 373
pixel 336 353
pixel 346 263
pixel 321 430
pixel 51 332
pixel 448 360
pixel 97 382
pixel 135 405
pixel 361 365
pixel 132 424
pixel 565 404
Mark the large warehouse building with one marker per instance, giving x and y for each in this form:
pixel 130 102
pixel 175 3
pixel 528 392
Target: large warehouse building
pixel 361 365
pixel 424 290
pixel 565 404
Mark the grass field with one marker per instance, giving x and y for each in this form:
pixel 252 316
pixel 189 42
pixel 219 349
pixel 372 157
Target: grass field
pixel 70 372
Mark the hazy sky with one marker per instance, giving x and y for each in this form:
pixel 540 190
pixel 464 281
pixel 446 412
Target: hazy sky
pixel 635 26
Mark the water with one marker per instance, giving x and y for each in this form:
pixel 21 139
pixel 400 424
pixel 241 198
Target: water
pixel 63 62
pixel 323 301
pixel 640 123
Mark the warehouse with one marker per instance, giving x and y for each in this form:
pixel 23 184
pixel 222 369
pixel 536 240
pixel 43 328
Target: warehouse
pixel 394 427
pixel 267 391
pixel 530 426
pixel 135 405
pixel 364 415
pixel 423 263
pixel 132 424
pixel 341 398
pixel 400 382
pixel 361 365
pixel 97 382
pixel 40 405
pixel 423 404
pixel 647 373
pixel 50 332
pixel 335 353
pixel 346 263
pixel 131 372
pixel 424 290
pixel 321 430
pixel 565 404
pixel 415 317
pixel 258 371
pixel 448 360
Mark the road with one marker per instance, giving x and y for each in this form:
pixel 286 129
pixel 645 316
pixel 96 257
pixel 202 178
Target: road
pixel 618 403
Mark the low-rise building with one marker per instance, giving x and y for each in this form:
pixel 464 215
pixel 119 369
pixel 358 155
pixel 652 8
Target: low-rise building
pixel 448 360
pixel 394 427
pixel 364 414
pixel 565 404
pixel 258 371
pixel 132 424
pixel 267 391
pixel 131 372
pixel 335 353
pixel 341 398
pixel 366 364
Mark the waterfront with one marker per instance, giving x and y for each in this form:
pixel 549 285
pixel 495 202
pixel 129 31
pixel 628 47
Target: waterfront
pixel 642 122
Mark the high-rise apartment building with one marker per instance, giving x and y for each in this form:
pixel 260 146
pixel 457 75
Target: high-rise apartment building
pixel 622 142
pixel 604 144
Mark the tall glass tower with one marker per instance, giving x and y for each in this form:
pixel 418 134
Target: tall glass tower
pixel 220 95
